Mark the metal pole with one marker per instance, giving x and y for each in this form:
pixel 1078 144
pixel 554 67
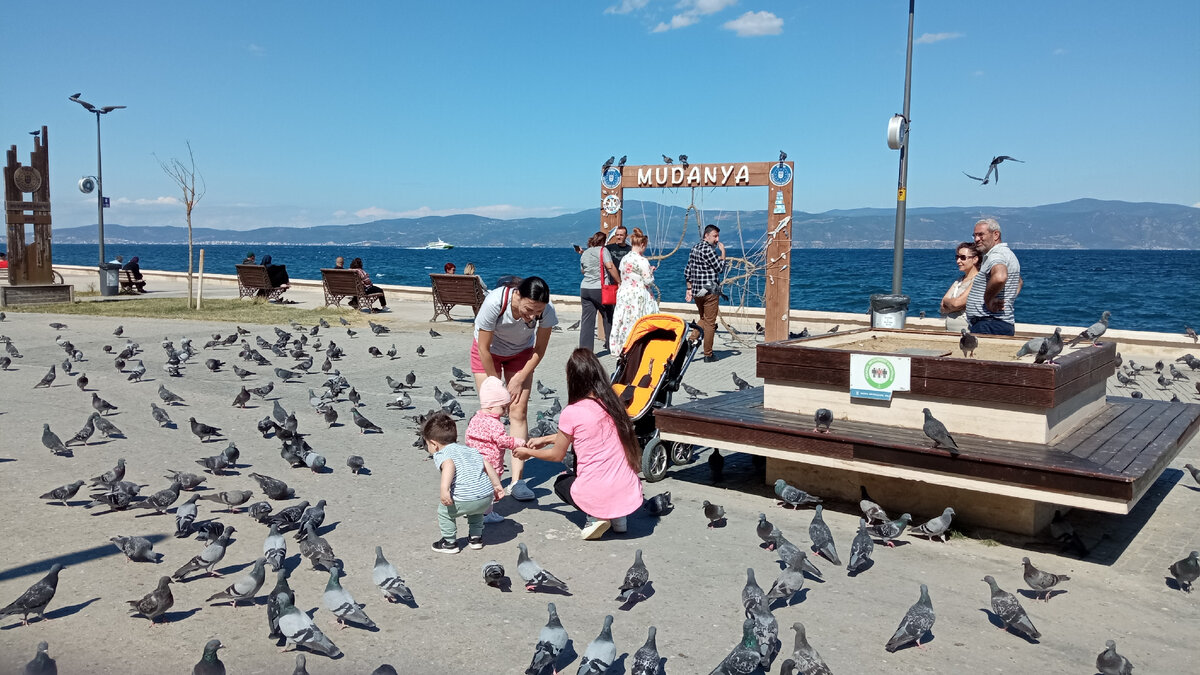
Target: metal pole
pixel 200 289
pixel 99 189
pixel 902 184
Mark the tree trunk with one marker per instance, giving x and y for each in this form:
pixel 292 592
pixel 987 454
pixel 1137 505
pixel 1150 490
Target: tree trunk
pixel 189 226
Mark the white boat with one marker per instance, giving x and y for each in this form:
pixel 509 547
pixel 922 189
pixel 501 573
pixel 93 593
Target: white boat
pixel 439 244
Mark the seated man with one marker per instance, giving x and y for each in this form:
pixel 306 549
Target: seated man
pixel 135 271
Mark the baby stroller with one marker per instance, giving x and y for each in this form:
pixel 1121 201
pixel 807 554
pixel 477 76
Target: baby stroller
pixel 649 370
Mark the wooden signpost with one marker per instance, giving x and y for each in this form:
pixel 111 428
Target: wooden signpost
pixel 29 264
pixel 777 176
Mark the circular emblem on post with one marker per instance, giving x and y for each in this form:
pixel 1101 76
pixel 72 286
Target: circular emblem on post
pixel 611 204
pixel 27 179
pixel 612 178
pixel 781 174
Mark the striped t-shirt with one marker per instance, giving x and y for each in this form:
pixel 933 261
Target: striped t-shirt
pixel 471 481
pixel 1000 254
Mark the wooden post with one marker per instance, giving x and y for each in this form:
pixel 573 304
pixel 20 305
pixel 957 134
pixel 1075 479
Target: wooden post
pixel 200 286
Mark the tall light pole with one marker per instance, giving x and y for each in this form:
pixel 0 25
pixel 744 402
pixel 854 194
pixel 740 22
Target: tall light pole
pixel 99 164
pixel 898 139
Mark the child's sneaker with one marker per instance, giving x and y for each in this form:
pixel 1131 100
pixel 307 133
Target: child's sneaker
pixel 444 545
pixel 475 542
pixel 491 518
pixel 595 529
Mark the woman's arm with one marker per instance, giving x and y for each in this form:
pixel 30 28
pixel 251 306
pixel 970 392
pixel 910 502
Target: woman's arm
pixel 550 448
pixel 485 352
pixel 647 272
pixel 954 303
pixel 539 350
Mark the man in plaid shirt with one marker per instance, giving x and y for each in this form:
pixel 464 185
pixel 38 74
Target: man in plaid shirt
pixel 705 267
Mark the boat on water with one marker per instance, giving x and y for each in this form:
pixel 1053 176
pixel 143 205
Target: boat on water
pixel 438 245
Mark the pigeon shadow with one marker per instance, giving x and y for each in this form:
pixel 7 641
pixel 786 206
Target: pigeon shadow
pixel 795 599
pixel 180 616
pixel 996 621
pixel 618 666
pixel 1035 595
pixel 897 543
pixel 10 459
pixel 504 585
pixel 869 564
pixel 1173 584
pixel 502 533
pixel 58 613
pixel 718 523
pixel 645 593
pixel 364 472
pixel 230 569
pixel 923 640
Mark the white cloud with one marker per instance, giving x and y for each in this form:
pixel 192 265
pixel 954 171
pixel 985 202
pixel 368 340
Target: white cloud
pixel 153 201
pixel 692 11
pixel 497 211
pixel 256 49
pixel 626 6
pixel 753 24
pixel 1196 205
pixel 1059 52
pixel 930 38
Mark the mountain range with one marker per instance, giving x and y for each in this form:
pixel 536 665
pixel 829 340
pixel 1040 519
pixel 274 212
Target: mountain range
pixel 1082 223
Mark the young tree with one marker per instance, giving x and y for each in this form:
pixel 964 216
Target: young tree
pixel 185 177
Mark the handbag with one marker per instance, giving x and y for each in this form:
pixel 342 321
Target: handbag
pixel 608 292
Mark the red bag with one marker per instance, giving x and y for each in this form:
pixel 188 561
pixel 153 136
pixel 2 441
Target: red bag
pixel 608 292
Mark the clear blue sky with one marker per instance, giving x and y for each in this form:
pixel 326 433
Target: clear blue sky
pixel 306 113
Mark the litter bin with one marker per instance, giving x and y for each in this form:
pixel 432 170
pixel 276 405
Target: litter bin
pixel 109 273
pixel 888 311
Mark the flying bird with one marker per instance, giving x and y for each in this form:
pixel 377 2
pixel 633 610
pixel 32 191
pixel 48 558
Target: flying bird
pixel 668 160
pixel 993 166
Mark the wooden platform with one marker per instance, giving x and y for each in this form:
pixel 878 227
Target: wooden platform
pixel 35 294
pixel 1105 465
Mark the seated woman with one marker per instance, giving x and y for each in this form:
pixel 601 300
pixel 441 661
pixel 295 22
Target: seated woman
pixel 277 275
pixel 135 270
pixel 470 269
pixel 954 303
pixel 368 288
pixel 449 268
pixel 605 483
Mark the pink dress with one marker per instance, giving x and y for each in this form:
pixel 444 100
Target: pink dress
pixel 486 434
pixel 605 487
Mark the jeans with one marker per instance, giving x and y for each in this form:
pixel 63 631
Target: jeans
pixel 990 326
pixel 473 510
pixel 589 301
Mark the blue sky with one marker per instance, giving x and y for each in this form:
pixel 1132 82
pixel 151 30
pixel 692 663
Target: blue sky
pixel 302 113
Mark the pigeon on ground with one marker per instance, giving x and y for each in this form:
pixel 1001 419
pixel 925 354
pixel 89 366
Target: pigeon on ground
pixel 208 558
pixel 317 549
pixel 646 660
pixel 364 425
pixel 1092 332
pixel 1009 609
pixel 740 383
pixel 242 373
pixel 692 392
pixel 107 429
pixel 1050 348
pixel 273 488
pixel 289 518
pixel 872 511
pixel 545 391
pixel 155 603
pixel 203 431
pixel 1109 662
pixel 805 660
pixel 1041 582
pixel 273 610
pixel 822 538
pixel 993 166
pixel 245 587
pixel 714 512
pixel 1186 571
pixel 35 598
pixel 915 624
pixel 968 343
pixel 764 529
pixel 889 530
pixel 168 397
pixel 162 500
pixel 789 583
pixel 230 498
pixel 47 379
pixel 314 516
pixel 745 657
pixel 285 375
pixel 1194 471
pixel 263 391
pixel 600 653
pixel 420 350
pixel 62 493
pixel 339 601
pixel 260 511
pixel 210 663
pixel 636 578
pixel 185 516
pixel 937 527
pixel 41 664
pixel 794 496
pixel 493 574
pixel 822 419
pixel 53 443
pixel 5 362
pixel 533 574
pixel 355 463
pixel 113 475
pixel 299 630
pixel 160 415
pixel 552 639
pixel 659 504
pixel 936 431
pixel 274 548
pixel 752 593
pixel 241 399
pixel 83 434
pixel 387 578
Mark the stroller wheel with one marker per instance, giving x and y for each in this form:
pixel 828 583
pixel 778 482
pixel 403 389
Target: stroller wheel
pixel 654 461
pixel 681 453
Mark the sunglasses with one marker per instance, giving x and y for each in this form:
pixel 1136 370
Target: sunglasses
pixel 963 257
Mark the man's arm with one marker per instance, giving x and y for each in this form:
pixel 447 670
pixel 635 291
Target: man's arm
pixel 993 296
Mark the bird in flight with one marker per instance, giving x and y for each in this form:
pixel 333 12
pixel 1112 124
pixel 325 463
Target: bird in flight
pixel 668 160
pixel 994 166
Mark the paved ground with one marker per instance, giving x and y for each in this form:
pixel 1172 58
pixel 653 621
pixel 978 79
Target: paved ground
pixel 459 624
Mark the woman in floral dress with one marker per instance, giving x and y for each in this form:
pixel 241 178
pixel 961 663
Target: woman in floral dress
pixel 634 299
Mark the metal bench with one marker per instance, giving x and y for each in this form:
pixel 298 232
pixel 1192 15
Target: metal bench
pixel 253 281
pixel 456 289
pixel 340 284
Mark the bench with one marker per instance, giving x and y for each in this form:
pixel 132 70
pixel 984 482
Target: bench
pixel 340 284
pixel 128 283
pixel 1105 465
pixel 456 289
pixel 253 281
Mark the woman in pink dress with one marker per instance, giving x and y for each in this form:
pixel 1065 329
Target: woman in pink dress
pixel 605 484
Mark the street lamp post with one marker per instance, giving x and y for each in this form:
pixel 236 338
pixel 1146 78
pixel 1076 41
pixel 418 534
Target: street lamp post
pixel 99 164
pixel 902 183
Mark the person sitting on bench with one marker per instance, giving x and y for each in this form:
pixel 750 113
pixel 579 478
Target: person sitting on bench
pixel 277 275
pixel 368 288
pixel 135 271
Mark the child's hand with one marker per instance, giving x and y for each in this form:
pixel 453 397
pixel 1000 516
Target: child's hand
pixel 498 492
pixel 447 499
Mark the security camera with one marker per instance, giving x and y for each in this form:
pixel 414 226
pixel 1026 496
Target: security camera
pixel 87 185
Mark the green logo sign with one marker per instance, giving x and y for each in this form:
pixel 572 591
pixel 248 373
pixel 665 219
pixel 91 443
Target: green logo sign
pixel 879 373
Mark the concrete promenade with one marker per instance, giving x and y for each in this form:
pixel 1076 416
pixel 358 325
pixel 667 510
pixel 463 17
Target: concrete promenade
pixel 461 626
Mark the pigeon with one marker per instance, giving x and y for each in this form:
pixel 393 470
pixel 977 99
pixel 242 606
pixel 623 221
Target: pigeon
pixel 420 350
pixel 273 488
pixel 552 639
pixel 83 434
pixel 213 365
pixel 608 163
pixel 106 428
pixel 203 431
pixel 1030 347
pixel 263 391
pixel 889 530
pixel 355 463
pixel 915 624
pixel 1135 394
pixel 339 601
pixel 636 578
pixel 659 504
pixel 1194 471
pixel 47 379
pixel 714 512
pixel 1009 609
pixel 789 583
pixel 745 657
pixel 35 598
pixel 53 443
pixel 317 549
pixel 301 667
pixel 1050 348
pixel 168 397
pixel 968 343
pixel 794 496
pixel 278 412
pixel 692 392
pixel 300 630
pixel 113 475
pixel 354 397
pixel 1092 332
pixel 285 375
pixel 210 663
pixel 387 578
pixel 668 160
pixel 242 373
pixel 41 664
pixel 1109 662
pixel 5 362
pixel 1041 582
pixel 646 660
pixel 545 391
pixel 185 515
pixel 937 527
pixel 374 351
pixel 805 660
pixel 600 653
pixel 822 419
pixel 241 399
pixel 314 516
pixel 289 518
pixel 260 511
pixel 822 538
pixel 740 383
pixel 493 573
pixel 364 425
pixel 993 166
pixel 208 558
pixel 155 603
pixel 162 500
pixel 533 574
pixel 273 609
pixel 1186 571
pixel 245 587
pixel 764 529
pixel 160 416
pixel 936 431
pixel 62 493
pixel 230 498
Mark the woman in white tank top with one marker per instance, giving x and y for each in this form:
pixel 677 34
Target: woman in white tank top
pixel 954 303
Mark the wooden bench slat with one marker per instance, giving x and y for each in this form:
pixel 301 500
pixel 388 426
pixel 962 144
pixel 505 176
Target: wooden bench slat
pixel 456 289
pixel 1097 440
pixel 1092 426
pixel 1183 426
pixel 1120 456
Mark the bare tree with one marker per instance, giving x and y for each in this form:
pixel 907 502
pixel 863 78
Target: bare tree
pixel 185 177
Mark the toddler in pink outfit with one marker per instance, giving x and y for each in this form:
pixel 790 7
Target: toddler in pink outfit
pixel 486 434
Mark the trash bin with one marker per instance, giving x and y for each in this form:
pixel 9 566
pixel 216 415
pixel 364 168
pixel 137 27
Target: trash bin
pixel 888 311
pixel 109 273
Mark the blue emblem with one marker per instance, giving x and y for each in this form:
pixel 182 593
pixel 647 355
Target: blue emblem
pixel 612 178
pixel 781 174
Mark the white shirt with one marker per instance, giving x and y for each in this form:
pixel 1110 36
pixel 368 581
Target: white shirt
pixel 509 336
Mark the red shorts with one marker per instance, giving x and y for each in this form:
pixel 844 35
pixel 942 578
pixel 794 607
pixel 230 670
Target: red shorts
pixel 506 366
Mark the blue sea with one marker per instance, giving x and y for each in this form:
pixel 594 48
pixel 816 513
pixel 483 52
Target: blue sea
pixel 1144 290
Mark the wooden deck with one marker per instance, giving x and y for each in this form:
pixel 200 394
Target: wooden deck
pixel 1110 461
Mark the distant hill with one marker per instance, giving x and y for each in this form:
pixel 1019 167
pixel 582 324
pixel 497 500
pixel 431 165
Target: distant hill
pixel 1082 223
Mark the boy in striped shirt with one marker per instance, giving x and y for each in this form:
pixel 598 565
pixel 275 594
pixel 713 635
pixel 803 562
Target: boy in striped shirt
pixel 468 483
